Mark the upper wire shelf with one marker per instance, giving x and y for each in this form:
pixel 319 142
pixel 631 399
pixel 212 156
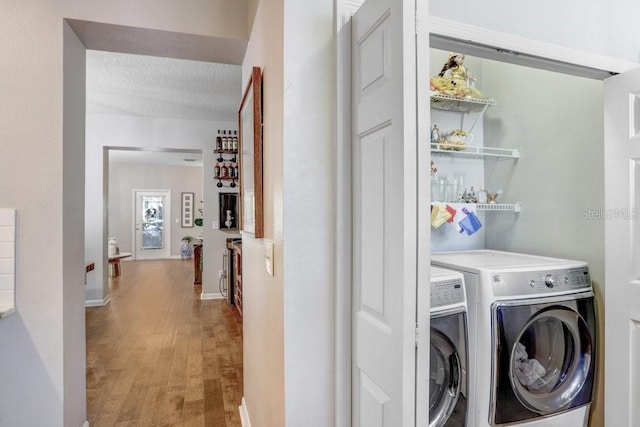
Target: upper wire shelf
pixel 471 151
pixel 441 101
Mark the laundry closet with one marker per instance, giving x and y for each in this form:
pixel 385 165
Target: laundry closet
pixel 531 168
pixel 505 138
pixel 531 175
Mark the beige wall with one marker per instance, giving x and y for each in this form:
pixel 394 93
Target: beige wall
pixel 42 344
pixel 218 18
pixel 126 177
pixel 263 327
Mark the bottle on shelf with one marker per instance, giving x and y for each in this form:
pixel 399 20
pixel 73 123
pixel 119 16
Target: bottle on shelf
pixel 219 141
pixel 223 171
pixel 216 170
pixel 235 140
pixel 225 141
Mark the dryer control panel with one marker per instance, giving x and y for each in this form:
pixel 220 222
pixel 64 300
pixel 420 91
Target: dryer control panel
pixel 447 292
pixel 540 282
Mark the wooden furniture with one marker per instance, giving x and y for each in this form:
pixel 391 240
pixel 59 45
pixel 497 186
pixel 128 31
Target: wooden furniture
pixel 114 263
pixel 197 264
pixel 237 276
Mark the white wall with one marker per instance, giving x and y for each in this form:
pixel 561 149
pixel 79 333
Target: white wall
pixel 126 131
pixel 126 177
pixel 592 26
pixel 309 206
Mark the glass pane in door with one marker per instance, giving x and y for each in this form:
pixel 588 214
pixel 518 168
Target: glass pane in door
pixel 152 225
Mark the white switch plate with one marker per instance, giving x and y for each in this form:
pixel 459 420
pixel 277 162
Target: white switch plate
pixel 215 225
pixel 268 256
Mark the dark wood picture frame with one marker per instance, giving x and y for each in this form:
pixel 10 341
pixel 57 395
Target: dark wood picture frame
pixel 250 156
pixel 228 211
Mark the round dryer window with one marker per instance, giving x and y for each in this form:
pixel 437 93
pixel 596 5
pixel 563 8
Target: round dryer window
pixel 444 378
pixel 550 360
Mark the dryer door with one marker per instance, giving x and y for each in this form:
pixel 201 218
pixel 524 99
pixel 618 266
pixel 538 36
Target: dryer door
pixel 544 360
pixel 447 379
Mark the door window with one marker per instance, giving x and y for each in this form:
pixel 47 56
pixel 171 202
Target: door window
pixel 152 222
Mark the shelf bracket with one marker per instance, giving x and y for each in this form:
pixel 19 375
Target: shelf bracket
pixel 478 117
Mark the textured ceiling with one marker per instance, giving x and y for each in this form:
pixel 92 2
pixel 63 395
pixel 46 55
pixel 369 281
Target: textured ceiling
pixel 149 86
pixel 160 87
pixel 160 74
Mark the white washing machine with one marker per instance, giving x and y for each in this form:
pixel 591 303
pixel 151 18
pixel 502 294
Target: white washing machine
pixel 448 358
pixel 532 323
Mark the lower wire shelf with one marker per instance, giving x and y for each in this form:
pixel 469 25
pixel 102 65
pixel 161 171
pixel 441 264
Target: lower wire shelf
pixel 502 207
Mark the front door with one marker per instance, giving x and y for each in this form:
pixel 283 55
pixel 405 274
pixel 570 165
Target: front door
pixel 622 249
pixel 152 224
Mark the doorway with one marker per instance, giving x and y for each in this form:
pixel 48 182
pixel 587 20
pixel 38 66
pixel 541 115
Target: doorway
pixel 152 224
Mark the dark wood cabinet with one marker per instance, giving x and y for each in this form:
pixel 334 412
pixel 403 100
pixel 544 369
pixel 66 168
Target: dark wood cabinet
pixel 197 264
pixel 237 276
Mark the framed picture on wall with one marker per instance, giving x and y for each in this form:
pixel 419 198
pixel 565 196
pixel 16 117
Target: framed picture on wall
pixel 228 211
pixel 187 210
pixel 250 126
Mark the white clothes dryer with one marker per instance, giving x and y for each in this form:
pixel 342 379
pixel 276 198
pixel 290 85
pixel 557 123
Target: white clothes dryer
pixel 448 354
pixel 533 337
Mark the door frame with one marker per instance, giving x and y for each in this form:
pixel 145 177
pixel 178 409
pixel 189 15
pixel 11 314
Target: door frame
pixel 440 29
pixel 166 222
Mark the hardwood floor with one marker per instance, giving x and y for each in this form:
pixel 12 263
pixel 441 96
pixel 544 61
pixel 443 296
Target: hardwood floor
pixel 159 356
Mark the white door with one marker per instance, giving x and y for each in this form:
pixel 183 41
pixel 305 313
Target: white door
pixel 384 215
pixel 622 249
pixel 152 224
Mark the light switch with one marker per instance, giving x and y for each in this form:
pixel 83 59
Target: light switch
pixel 215 225
pixel 268 256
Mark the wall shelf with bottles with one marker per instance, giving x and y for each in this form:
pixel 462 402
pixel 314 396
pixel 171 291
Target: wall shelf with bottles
pixel 226 168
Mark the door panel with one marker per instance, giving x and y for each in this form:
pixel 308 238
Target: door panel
pixel 384 217
pixel 622 248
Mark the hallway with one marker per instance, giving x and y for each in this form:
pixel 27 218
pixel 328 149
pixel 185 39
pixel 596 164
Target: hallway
pixel 158 355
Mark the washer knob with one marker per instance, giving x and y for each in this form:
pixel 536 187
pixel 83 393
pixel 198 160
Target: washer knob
pixel 550 281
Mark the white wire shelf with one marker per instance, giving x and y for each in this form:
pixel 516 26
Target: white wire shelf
pixel 504 207
pixel 469 151
pixel 501 207
pixel 441 101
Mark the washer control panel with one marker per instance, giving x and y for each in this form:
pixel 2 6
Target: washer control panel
pixel 540 282
pixel 447 292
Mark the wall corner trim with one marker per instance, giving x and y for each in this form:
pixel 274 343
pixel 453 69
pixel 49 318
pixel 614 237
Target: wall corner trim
pixel 244 414
pixel 216 295
pixel 97 302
